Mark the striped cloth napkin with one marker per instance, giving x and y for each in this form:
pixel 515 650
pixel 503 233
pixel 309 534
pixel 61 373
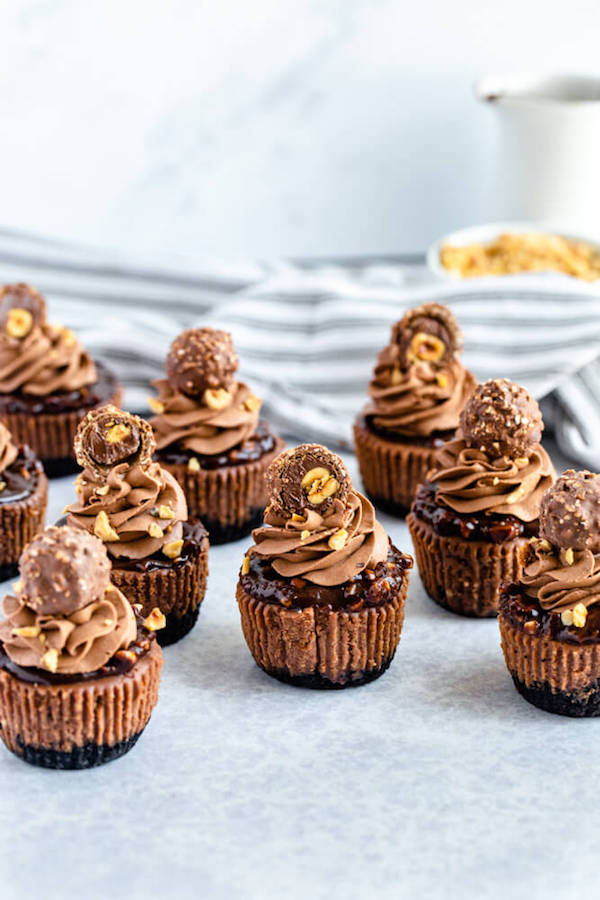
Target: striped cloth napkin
pixel 308 333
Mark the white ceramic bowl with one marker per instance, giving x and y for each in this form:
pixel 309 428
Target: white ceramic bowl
pixel 484 234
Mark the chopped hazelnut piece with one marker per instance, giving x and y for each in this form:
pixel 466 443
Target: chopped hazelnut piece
pixel 216 399
pixel 108 622
pixel 566 617
pixel 103 529
pixel 396 376
pixel 569 556
pixel 338 540
pixel 19 323
pixel 103 490
pixel 27 631
pixel 69 337
pixel 530 626
pixel 442 380
pixel 319 485
pixel 156 406
pixel 304 536
pixel 155 621
pixel 126 654
pixel 118 433
pixel 17 586
pixel 155 531
pixel 2 485
pixel 252 403
pixel 297 518
pixel 426 347
pixel 579 615
pixel 173 549
pixel 193 465
pixel 246 565
pixel 50 659
pixel 165 512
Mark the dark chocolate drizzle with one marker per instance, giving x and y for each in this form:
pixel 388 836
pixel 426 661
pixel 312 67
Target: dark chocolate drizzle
pixel 519 609
pixel 22 477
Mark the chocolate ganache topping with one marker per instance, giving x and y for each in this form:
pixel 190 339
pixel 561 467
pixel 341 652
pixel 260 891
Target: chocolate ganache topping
pixel 8 450
pixel 37 358
pixel 496 463
pixel 66 616
pixel 317 526
pixel 200 406
pixel 133 505
pixel 562 568
pixel 419 384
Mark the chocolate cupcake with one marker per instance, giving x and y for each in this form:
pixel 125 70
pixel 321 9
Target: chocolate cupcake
pixel 23 498
pixel 79 670
pixel 418 389
pixel 209 435
pixel 47 380
pixel 322 590
pixel 480 502
pixel 138 510
pixel 550 616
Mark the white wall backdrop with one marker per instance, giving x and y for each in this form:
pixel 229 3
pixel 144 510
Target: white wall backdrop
pixel 261 126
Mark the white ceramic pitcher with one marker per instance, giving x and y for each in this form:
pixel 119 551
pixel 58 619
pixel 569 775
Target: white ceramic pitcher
pixel 547 149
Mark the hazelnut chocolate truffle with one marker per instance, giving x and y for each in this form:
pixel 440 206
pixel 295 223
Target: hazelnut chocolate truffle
pixel 209 435
pixel 481 500
pixel 23 499
pixel 47 380
pixel 418 389
pixel 138 511
pixel 322 590
pixel 549 616
pixel 71 649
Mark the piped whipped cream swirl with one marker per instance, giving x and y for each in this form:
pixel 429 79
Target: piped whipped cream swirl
pixel 190 423
pixel 469 481
pixel 560 579
pixel 82 641
pixel 323 549
pixel 135 510
pixel 419 400
pixel 48 360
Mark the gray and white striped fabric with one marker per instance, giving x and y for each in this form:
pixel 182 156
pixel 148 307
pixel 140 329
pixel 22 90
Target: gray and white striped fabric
pixel 308 333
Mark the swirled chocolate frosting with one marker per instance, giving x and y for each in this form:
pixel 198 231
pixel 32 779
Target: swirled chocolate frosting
pixel 8 450
pixel 419 385
pixel 65 616
pixel 38 358
pixel 325 548
pixel 201 407
pixel 491 468
pixel 133 505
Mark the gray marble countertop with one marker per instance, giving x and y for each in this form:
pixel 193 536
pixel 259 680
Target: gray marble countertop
pixel 435 781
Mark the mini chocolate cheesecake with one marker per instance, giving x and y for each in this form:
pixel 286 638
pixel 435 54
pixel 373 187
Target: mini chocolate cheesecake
pixel 209 435
pixel 23 498
pixel 47 381
pixel 550 618
pixel 418 389
pixel 322 591
pixel 79 669
pixel 480 504
pixel 138 510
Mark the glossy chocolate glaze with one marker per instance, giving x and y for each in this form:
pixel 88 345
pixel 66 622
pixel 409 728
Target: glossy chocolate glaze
pixel 372 587
pixel 255 447
pixel 21 478
pixel 66 401
pixel 194 538
pixel 468 526
pixel 520 610
pixel 121 663
pixel 433 440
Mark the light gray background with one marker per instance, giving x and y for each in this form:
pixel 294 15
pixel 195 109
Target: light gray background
pixel 262 127
pixel 436 781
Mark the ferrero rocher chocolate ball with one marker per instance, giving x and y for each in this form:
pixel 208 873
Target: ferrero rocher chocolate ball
pixel 109 436
pixel 22 308
pixel 502 419
pixel 570 511
pixel 62 570
pixel 427 333
pixel 201 359
pixel 309 477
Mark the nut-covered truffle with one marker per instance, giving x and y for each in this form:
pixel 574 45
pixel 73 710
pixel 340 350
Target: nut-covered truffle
pixel 502 419
pixel 62 570
pixel 22 308
pixel 108 436
pixel 309 477
pixel 201 359
pixel 427 333
pixel 570 512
